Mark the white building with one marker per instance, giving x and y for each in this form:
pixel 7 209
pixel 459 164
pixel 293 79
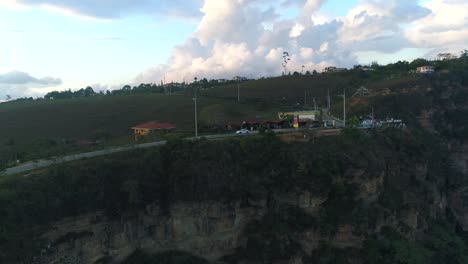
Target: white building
pixel 425 69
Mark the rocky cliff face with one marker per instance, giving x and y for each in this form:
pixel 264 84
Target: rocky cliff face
pixel 351 194
pixel 208 229
pixel 215 229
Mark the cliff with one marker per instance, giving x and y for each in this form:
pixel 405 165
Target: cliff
pixel 348 199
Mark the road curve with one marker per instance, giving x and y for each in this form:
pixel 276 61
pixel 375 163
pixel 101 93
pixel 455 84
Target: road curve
pixel 43 163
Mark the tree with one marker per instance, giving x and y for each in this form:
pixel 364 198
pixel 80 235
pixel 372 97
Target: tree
pixel 314 72
pixel 308 73
pixel 286 59
pixel 7 97
pixel 464 54
pixel 89 92
pixel 418 63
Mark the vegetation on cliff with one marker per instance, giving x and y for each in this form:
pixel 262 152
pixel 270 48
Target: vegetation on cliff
pixel 415 170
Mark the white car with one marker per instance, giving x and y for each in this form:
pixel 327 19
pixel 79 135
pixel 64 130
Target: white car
pixel 242 132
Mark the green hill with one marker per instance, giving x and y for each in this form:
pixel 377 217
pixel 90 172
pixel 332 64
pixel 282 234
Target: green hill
pixel 42 128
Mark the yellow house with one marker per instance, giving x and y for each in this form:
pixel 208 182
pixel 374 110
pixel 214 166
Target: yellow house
pixel 150 127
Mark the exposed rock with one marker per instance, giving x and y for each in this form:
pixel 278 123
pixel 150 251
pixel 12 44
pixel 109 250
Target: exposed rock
pixel 210 230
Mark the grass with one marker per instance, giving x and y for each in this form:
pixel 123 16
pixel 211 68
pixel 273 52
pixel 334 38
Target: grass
pixel 290 89
pixel 38 129
pixel 44 128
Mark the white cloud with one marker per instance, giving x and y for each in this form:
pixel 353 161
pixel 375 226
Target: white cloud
pixel 20 84
pixel 296 31
pixel 110 9
pixel 444 30
pixel 232 39
pixel 248 37
pixel 12 4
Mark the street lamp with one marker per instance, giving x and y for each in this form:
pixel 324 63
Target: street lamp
pixel 195 100
pixel 344 107
pixel 238 89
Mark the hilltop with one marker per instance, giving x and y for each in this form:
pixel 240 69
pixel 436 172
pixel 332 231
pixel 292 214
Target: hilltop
pixel 364 196
pixel 33 129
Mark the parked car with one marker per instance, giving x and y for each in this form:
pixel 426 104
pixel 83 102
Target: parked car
pixel 328 124
pixel 242 132
pixel 314 125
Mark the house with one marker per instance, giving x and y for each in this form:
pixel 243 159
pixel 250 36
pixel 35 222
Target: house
pixel 334 69
pixel 277 124
pixel 151 127
pixel 313 115
pixel 425 69
pixel 362 68
pixel 252 124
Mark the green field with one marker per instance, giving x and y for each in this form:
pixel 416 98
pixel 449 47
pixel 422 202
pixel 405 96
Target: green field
pixel 304 88
pixel 38 129
pixel 290 89
pixel 44 128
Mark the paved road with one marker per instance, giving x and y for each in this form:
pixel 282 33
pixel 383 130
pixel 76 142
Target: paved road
pixel 42 163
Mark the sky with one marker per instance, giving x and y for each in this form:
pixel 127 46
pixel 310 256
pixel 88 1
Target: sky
pixel 48 45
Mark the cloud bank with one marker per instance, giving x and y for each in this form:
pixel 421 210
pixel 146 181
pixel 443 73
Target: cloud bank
pixel 115 8
pixel 244 37
pixel 248 37
pixel 20 84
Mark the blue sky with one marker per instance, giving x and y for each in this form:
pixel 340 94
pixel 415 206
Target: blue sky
pixel 129 42
pixel 86 51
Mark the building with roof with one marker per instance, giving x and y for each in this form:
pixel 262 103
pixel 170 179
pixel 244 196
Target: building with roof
pixel 252 124
pixel 312 115
pixel 334 69
pixel 425 69
pixel 151 127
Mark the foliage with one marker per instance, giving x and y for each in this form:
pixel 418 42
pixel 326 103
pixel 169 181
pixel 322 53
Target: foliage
pixel 45 128
pixel 390 247
pixel 169 257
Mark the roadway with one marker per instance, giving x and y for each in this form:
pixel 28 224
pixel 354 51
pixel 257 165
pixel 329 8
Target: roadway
pixel 43 163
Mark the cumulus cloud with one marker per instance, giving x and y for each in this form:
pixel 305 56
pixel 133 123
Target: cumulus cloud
pixel 444 30
pixel 232 38
pixel 248 37
pixel 114 8
pixel 19 84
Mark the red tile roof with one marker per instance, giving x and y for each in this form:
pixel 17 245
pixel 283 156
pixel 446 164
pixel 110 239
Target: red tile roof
pixel 155 126
pixel 277 121
pixel 253 122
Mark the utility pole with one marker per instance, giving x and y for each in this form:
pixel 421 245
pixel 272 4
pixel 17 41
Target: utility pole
pixel 344 107
pixel 305 97
pixel 328 99
pixel 195 100
pixel 238 89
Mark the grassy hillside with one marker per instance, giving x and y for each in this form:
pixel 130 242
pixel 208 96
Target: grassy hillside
pixel 43 128
pixel 40 128
pixel 288 90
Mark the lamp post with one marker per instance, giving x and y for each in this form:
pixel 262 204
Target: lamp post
pixel 195 100
pixel 344 107
pixel 238 89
